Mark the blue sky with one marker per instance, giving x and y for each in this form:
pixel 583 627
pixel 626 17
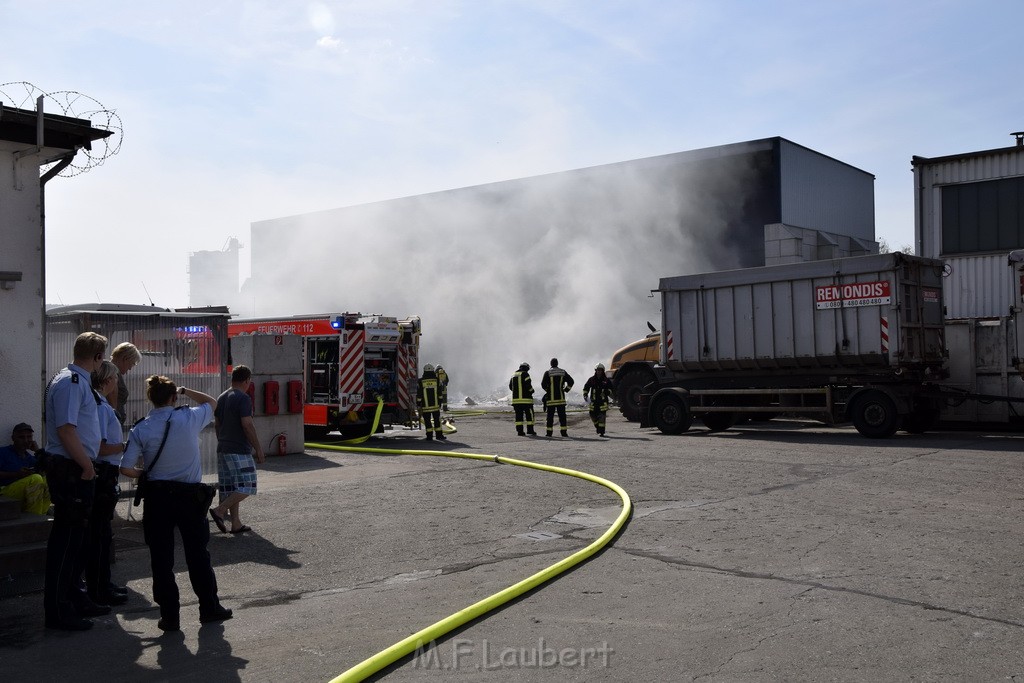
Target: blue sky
pixel 235 112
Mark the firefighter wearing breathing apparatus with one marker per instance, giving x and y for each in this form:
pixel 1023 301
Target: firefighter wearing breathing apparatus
pixel 599 389
pixel 521 387
pixel 556 383
pixel 442 386
pixel 428 400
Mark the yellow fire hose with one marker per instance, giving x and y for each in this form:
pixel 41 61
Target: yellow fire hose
pixel 431 633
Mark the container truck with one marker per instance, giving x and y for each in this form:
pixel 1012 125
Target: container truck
pixel 858 338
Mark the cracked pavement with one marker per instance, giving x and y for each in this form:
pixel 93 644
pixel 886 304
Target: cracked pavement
pixel 776 551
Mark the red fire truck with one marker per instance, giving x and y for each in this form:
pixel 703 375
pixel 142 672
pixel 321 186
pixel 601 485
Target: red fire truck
pixel 349 360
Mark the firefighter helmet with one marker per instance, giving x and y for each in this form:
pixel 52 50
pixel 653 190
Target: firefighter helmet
pixel 524 366
pixel 599 366
pixel 428 368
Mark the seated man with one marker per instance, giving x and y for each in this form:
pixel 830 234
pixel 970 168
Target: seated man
pixel 18 477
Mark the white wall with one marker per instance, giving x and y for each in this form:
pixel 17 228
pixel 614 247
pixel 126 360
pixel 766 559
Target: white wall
pixel 21 303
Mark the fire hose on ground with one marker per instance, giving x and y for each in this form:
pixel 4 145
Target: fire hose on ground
pixel 431 633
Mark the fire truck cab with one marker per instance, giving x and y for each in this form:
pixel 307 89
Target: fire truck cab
pixel 350 360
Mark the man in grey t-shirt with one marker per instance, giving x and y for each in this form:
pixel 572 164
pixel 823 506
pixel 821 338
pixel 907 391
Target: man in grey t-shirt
pixel 236 442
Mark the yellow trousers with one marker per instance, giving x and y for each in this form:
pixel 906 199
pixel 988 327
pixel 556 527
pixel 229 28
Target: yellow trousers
pixel 31 492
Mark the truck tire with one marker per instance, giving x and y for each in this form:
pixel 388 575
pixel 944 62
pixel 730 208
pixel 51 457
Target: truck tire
pixel 874 415
pixel 670 414
pixel 921 420
pixel 719 422
pixel 628 389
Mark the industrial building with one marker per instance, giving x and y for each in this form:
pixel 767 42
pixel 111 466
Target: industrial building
pixel 969 212
pixel 34 148
pixel 756 202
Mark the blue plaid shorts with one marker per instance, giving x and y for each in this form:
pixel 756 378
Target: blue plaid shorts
pixel 236 472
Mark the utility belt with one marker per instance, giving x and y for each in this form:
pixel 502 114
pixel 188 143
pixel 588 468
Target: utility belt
pixel 173 488
pixel 72 496
pixel 106 471
pixel 62 467
pixel 199 493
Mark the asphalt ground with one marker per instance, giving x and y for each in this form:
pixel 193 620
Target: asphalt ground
pixel 779 551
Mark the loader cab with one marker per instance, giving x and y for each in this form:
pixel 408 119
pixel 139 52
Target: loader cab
pixel 647 349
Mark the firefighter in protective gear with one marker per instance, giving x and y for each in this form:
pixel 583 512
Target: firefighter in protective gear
pixel 442 386
pixel 521 387
pixel 429 403
pixel 599 389
pixel 556 383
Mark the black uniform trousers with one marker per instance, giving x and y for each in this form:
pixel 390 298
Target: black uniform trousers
pixel 524 417
pixel 100 534
pixel 170 505
pixel 72 503
pixel 560 409
pixel 435 417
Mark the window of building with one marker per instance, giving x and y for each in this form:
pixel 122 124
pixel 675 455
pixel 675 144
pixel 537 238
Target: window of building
pixel 982 217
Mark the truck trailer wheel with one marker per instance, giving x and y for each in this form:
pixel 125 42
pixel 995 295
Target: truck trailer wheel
pixel 628 389
pixel 670 414
pixel 921 420
pixel 874 415
pixel 719 422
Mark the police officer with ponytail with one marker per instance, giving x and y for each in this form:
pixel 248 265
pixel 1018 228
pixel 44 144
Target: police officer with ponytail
pixel 164 447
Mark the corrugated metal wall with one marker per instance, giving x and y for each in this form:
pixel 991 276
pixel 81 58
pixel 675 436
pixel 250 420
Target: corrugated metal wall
pixel 824 194
pixel 978 286
pixel 930 176
pixel 189 349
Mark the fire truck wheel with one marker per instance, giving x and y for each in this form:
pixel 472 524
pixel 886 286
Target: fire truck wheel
pixel 874 415
pixel 315 433
pixel 670 413
pixel 356 430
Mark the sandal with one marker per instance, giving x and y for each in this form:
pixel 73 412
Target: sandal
pixel 219 521
pixel 240 530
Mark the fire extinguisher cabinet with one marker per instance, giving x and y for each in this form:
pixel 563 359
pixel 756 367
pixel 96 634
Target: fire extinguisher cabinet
pixel 271 397
pixel 276 364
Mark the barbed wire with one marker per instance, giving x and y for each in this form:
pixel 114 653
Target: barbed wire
pixel 23 95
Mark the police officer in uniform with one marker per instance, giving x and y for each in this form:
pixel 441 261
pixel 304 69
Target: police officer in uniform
pixel 167 443
pixel 72 442
pixel 521 387
pixel 428 400
pixel 599 388
pixel 556 383
pixel 97 547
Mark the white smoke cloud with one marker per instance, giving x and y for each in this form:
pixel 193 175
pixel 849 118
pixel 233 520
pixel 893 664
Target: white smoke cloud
pixel 558 265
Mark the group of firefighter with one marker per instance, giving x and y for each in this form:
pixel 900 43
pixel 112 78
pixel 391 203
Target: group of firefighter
pixel 432 398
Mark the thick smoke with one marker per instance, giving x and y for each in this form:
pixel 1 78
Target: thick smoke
pixel 560 265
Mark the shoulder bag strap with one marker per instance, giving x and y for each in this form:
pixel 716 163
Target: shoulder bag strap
pixel 167 430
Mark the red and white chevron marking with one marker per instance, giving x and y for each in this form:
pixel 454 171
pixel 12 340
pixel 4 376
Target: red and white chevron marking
pixel 670 347
pixel 402 377
pixel 885 335
pixel 351 368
